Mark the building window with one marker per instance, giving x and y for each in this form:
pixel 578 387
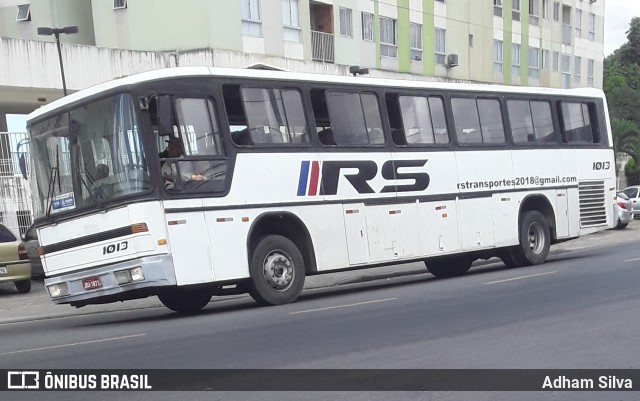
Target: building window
pixel 545 9
pixel 415 40
pixel 545 60
pixel 515 13
pixel 556 61
pixel 556 11
pixel 441 46
pixel 346 22
pixel 251 22
pixel 534 7
pixel 565 65
pixel 578 23
pixel 497 56
pixel 367 27
pixel 515 59
pixel 590 70
pixel 119 4
pixel 388 47
pixel 591 27
pixel 534 62
pixel 24 13
pixel 577 73
pixel 291 20
pixel 497 8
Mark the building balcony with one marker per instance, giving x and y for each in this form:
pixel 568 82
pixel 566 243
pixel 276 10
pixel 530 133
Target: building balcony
pixel 322 47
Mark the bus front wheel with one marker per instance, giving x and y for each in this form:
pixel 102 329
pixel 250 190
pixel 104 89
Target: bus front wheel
pixel 535 240
pixel 277 271
pixel 448 266
pixel 185 300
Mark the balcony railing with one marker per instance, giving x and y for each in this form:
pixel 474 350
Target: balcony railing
pixel 322 46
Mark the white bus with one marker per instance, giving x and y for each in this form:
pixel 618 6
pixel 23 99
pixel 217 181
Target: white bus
pixel 274 176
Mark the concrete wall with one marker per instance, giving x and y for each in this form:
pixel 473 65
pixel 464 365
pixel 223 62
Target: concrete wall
pixel 49 13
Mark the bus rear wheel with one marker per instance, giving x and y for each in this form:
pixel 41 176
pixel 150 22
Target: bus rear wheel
pixel 535 240
pixel 277 271
pixel 448 266
pixel 185 300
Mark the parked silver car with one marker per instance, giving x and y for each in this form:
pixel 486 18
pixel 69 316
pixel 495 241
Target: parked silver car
pixel 623 210
pixel 633 192
pixel 32 244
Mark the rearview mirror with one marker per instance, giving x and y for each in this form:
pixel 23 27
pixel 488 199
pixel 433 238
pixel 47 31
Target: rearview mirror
pixel 22 162
pixel 164 115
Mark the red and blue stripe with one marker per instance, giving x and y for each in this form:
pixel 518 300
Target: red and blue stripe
pixel 309 174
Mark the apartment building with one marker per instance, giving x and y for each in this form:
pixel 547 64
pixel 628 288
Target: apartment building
pixel 518 42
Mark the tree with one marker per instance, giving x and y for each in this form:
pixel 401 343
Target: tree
pixel 630 51
pixel 626 138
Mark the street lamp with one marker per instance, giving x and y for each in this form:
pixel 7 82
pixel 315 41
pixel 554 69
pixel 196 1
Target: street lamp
pixel 45 31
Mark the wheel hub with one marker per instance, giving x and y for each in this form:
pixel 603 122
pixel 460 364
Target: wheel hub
pixel 536 238
pixel 278 270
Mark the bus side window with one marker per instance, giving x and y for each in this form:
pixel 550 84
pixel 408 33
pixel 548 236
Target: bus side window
pixel 577 127
pixel 354 117
pixel 478 120
pixel 265 116
pixel 235 114
pixel 417 120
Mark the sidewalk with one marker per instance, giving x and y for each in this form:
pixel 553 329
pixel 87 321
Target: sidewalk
pixel 37 305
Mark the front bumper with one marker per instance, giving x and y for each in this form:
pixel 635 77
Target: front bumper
pixel 158 272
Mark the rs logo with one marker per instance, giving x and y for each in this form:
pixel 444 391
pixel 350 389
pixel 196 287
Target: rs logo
pixel 313 183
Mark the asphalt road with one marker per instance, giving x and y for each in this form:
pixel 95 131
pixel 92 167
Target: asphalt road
pixel 579 310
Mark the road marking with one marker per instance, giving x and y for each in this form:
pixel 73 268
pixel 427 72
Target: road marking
pixel 342 306
pixel 518 278
pixel 73 344
pixel 632 260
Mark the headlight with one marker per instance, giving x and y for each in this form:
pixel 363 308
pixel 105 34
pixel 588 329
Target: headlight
pixel 129 275
pixel 58 290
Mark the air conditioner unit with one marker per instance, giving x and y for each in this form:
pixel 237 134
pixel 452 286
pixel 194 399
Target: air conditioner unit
pixel 452 60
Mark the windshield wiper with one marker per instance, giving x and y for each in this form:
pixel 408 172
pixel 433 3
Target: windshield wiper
pixel 98 194
pixel 54 174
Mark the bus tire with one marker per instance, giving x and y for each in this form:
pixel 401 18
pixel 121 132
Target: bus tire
pixel 448 266
pixel 277 271
pixel 23 286
pixel 535 240
pixel 509 258
pixel 185 301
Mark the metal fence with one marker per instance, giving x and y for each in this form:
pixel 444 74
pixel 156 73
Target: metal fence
pixel 15 193
pixel 322 46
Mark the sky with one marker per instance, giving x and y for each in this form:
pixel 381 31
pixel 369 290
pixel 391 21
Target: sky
pixel 617 15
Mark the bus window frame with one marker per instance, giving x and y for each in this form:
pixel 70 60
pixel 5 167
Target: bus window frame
pixel 599 131
pixel 395 94
pixel 268 85
pixel 374 90
pixel 554 116
pixel 506 144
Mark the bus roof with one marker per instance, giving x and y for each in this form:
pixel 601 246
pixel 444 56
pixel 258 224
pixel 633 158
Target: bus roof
pixel 177 72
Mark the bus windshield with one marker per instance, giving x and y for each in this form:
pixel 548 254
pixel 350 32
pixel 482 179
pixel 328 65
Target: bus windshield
pixel 87 157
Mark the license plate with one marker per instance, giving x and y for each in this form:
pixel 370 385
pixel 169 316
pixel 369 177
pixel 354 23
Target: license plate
pixel 3 270
pixel 91 283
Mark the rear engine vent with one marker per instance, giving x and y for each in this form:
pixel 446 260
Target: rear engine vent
pixel 593 205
